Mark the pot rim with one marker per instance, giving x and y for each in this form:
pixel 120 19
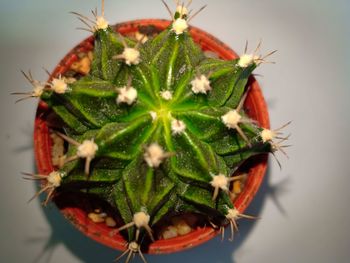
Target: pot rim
pixel 255 104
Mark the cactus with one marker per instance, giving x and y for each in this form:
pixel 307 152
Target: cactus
pixel 155 129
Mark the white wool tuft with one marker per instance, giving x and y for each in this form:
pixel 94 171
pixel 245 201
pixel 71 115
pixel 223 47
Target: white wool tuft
pixel 59 85
pixel 127 95
pixel 133 246
pixel 220 181
pixel 101 23
pixel 167 94
pixel 131 56
pixel 38 90
pixel 201 85
pixel 246 60
pixel 267 135
pixel 141 219
pixel 231 119
pixel 179 26
pixel 154 155
pixel 54 179
pixel 153 115
pixel 87 149
pixel 232 214
pixel 177 127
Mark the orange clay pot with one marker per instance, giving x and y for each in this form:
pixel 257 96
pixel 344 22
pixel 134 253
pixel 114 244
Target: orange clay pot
pixel 255 107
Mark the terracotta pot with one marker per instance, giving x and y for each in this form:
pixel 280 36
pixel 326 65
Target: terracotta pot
pixel 255 106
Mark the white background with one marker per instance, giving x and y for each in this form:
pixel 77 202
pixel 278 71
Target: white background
pixel 304 207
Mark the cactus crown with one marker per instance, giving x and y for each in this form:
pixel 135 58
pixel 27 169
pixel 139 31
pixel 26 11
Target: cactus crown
pixel 155 128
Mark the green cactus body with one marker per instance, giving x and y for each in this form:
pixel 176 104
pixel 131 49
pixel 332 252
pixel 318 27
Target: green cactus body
pixel 157 154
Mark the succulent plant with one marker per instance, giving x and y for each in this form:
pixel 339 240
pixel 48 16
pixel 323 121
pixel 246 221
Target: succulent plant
pixel 155 128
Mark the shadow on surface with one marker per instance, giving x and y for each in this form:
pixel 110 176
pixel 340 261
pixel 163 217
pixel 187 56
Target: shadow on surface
pixel 87 250
pixel 27 133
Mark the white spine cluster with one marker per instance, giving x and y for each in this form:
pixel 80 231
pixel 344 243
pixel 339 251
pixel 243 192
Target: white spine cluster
pixel 132 249
pixel 154 155
pixel 87 149
pixel 101 23
pixel 177 127
pixel 141 219
pixel 267 135
pixel 200 84
pixel 167 94
pixel 131 56
pixel 153 115
pixel 179 26
pixel 231 119
pixel 220 181
pixel 93 25
pixel 276 139
pixel 246 60
pixel 232 214
pixel 59 85
pixel 133 246
pixel 127 95
pixel 54 179
pixel 38 91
